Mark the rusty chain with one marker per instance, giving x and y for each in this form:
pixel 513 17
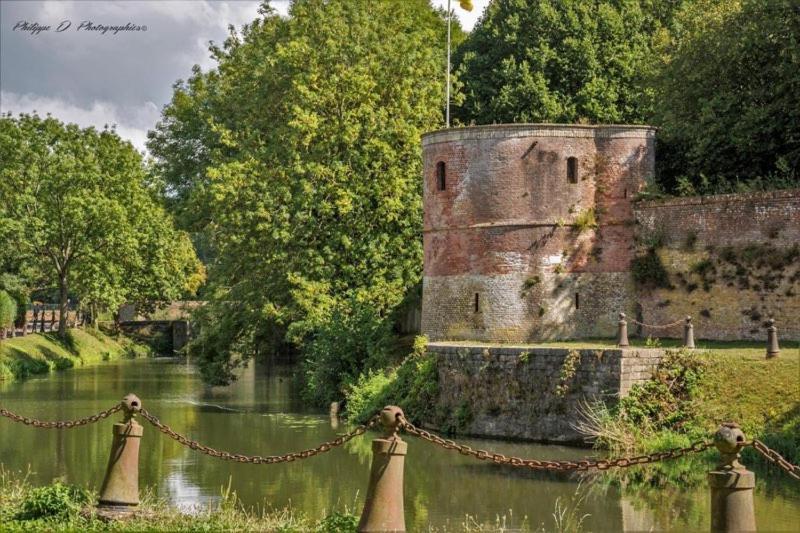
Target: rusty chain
pixel 257 459
pixel 60 424
pixel 535 464
pixel 774 457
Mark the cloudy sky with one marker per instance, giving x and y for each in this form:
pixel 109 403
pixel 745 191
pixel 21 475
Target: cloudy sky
pixel 91 78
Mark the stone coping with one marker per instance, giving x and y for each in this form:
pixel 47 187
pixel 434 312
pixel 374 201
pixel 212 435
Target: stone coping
pixel 445 347
pixel 510 131
pixel 680 201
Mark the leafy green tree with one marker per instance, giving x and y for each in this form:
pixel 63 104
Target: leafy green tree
pixel 8 312
pixel 76 202
pixel 561 61
pixel 729 98
pixel 309 176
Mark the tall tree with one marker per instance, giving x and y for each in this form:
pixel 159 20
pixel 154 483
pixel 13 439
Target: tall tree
pixel 76 202
pixel 561 61
pixel 729 98
pixel 313 195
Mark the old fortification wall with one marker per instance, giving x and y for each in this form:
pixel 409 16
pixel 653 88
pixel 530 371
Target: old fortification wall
pixel 731 262
pixel 532 393
pixel 511 251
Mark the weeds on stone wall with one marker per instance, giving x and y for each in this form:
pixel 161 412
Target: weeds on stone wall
pixel 568 370
pixel 648 271
pixel 585 220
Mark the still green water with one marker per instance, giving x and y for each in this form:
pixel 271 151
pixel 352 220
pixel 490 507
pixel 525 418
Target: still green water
pixel 260 414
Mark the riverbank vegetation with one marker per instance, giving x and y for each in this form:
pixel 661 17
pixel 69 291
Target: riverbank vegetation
pixel 40 353
pixel 84 220
pixel 694 391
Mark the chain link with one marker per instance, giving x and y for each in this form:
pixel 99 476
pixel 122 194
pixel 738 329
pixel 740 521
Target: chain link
pixel 657 326
pixel 564 466
pixel 60 424
pixel 258 459
pixel 774 457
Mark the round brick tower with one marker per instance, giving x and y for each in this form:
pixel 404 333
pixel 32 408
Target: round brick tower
pixel 528 229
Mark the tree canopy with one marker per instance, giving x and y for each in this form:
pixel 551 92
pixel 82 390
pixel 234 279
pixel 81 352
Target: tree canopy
pixel 300 156
pixel 561 61
pixel 75 205
pixel 729 98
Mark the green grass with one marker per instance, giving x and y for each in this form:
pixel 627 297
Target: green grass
pixel 41 353
pixel 59 507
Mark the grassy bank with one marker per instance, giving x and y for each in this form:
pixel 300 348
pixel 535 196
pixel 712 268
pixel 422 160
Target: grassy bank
pixel 41 353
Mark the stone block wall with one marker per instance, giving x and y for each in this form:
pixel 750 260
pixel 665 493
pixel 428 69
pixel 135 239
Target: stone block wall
pixel 529 393
pixel 732 260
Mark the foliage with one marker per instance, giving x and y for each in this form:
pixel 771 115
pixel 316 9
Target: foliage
pixel 83 216
pixel 727 99
pixel 663 402
pixel 586 220
pixel 561 61
pixel 52 501
pixel 648 270
pixel 22 357
pixel 15 287
pixel 298 155
pixel 337 522
pixel 8 310
pixel 355 340
pixel 413 386
pixel 568 369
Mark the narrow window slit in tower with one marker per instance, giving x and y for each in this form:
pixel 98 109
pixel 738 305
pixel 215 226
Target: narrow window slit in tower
pixel 440 176
pixel 625 193
pixel 572 169
pixel 477 303
pixel 577 301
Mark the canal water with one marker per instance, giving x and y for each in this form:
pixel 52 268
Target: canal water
pixel 260 414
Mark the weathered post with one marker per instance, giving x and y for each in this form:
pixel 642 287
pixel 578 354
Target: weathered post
pixel 119 495
pixel 52 318
pixel 731 484
pixel 772 339
pixel 35 318
pixel 622 332
pixel 384 510
pixel 688 333
pixel 41 322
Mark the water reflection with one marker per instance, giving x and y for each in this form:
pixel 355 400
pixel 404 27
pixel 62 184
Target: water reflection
pixel 260 415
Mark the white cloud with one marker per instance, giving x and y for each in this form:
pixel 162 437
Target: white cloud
pixel 131 122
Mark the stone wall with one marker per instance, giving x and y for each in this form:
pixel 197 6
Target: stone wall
pixel 165 337
pixel 510 253
pixel 732 261
pixel 529 393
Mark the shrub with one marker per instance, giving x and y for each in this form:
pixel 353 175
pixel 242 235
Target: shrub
pixel 586 220
pixel 56 500
pixel 412 386
pixel 338 523
pixel 355 341
pixel 8 310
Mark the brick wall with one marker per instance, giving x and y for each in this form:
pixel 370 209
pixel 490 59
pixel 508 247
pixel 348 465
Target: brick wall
pixel 731 260
pixel 503 229
pixel 517 392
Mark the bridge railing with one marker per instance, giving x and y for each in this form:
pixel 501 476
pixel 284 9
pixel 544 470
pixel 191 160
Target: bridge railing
pixel 730 483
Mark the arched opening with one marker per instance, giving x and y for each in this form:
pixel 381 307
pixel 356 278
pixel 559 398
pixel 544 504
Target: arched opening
pixel 441 182
pixel 572 169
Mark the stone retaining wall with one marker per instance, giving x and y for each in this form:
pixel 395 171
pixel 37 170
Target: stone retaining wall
pixel 530 393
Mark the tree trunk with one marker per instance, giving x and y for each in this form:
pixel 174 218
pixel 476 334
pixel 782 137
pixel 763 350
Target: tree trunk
pixel 62 306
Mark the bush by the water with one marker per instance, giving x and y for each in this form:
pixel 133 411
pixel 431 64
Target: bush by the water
pixel 355 341
pixel 412 386
pixel 52 501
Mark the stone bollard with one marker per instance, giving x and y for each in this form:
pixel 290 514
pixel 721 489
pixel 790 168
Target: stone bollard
pixel 383 509
pixel 688 333
pixel 622 332
pixel 119 495
pixel 731 484
pixel 772 339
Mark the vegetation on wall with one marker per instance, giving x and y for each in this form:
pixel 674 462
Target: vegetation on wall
pixel 648 270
